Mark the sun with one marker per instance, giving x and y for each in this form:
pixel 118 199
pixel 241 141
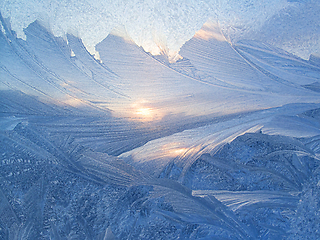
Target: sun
pixel 142 111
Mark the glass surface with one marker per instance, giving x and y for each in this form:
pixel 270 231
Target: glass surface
pixel 159 119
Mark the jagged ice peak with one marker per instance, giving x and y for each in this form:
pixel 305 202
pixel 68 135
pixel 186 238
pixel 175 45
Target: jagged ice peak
pixel 164 26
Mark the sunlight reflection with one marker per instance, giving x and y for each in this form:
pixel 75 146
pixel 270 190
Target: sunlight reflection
pixel 177 151
pixel 173 149
pixel 210 30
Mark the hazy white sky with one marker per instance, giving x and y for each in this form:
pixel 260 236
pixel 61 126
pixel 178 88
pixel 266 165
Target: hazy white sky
pixel 166 24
